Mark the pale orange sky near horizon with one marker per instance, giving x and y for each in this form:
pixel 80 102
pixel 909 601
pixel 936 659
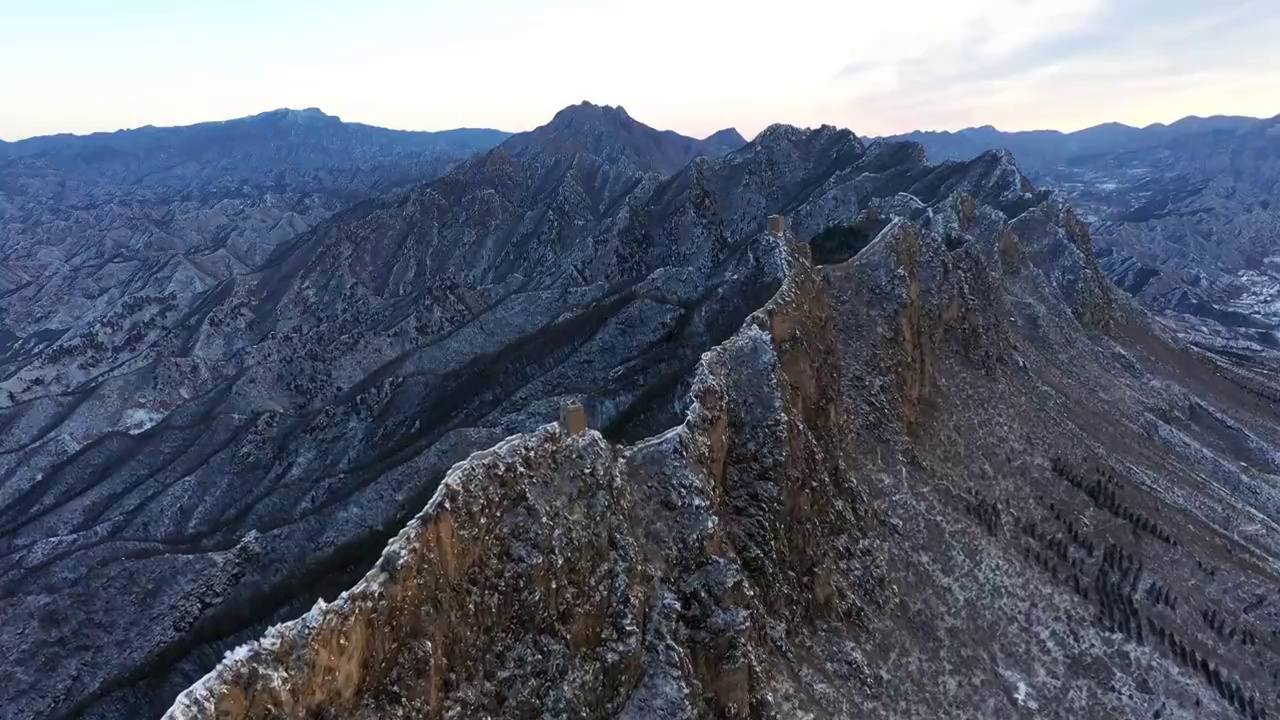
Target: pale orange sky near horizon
pixel 694 66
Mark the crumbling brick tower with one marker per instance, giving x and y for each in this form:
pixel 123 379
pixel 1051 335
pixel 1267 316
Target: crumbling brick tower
pixel 777 225
pixel 573 417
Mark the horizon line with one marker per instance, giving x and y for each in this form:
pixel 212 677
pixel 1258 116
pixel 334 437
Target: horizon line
pixel 952 131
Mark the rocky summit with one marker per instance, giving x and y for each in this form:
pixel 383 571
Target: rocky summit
pixel 860 436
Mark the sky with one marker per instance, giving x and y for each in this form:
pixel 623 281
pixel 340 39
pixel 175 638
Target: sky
pixel 694 66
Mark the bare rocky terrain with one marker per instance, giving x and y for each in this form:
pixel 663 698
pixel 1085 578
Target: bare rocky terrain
pixel 916 456
pixel 184 468
pixel 88 221
pixel 1186 216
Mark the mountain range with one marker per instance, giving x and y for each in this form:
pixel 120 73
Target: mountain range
pixel 1183 214
pixel 906 446
pixel 1041 149
pixel 190 417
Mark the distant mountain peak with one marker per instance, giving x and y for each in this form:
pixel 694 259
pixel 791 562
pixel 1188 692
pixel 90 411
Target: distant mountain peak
pixel 725 141
pixel 611 134
pixel 777 131
pixel 586 111
pixel 782 133
pixel 304 116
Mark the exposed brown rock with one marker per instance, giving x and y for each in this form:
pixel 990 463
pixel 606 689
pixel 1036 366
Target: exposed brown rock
pixel 561 574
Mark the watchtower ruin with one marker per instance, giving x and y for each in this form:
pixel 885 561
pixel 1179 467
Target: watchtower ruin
pixel 777 225
pixel 573 417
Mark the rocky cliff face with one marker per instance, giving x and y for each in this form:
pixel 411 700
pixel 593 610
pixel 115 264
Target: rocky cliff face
pixel 1080 512
pixel 566 575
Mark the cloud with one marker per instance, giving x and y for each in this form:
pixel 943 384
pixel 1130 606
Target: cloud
pixel 1133 58
pixel 877 67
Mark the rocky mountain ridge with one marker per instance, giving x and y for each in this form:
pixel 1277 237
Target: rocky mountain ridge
pixel 955 470
pixel 603 556
pixel 809 490
pixel 249 449
pixel 1038 150
pixel 1186 216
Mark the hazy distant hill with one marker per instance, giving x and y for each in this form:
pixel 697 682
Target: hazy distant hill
pixel 87 220
pixel 1185 216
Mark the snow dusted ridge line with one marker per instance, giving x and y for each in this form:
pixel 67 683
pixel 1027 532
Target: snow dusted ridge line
pixel 339 355
pixel 331 655
pixel 285 637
